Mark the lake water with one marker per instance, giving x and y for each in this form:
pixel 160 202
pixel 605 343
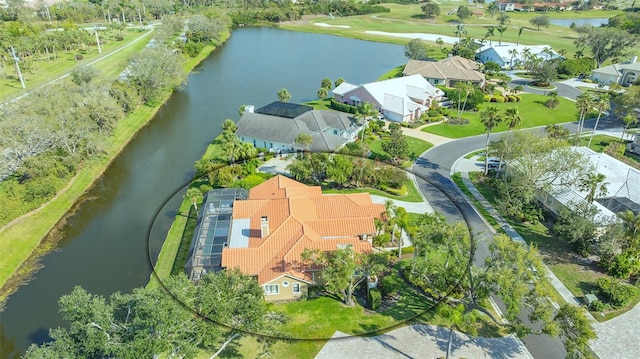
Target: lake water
pixel 567 22
pixel 104 245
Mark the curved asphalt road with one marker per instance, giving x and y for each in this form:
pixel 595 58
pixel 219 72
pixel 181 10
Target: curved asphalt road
pixel 432 170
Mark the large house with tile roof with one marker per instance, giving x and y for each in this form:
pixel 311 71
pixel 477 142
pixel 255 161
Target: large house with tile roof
pixel 399 99
pixel 281 218
pixel 624 73
pixel 276 126
pixel 447 72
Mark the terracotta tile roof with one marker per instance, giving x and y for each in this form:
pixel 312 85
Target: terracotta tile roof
pixel 299 217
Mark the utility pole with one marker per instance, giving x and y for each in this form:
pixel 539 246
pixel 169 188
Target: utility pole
pixel 95 30
pixel 15 58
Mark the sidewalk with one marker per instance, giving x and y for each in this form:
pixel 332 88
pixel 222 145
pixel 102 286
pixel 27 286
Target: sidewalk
pixel 618 337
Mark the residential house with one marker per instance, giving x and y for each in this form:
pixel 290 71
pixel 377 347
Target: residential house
pixel 447 72
pixel 624 73
pixel 511 55
pixel 276 126
pixel 634 146
pixel 398 99
pixel 622 182
pixel 280 219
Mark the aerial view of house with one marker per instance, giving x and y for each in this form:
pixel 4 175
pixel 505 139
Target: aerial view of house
pixel 622 188
pixel 510 55
pixel 398 99
pixel 623 73
pixel 446 72
pixel 276 126
pixel 263 234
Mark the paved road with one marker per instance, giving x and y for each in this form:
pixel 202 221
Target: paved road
pixel 433 171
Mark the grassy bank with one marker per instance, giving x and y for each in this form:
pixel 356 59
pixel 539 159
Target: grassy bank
pixel 23 242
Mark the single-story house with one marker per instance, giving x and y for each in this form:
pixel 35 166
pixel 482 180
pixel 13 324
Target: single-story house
pixel 276 126
pixel 510 55
pixel 447 71
pixel 623 188
pixel 270 229
pixel 624 73
pixel 634 146
pixel 398 99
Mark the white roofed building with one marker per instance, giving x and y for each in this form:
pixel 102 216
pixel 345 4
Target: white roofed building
pixel 511 55
pixel 398 99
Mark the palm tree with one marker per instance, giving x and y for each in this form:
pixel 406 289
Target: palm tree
pixel 595 186
pixel 628 120
pixel 304 140
pixel 460 31
pixel 365 110
pixel 284 95
pixel 631 225
pixel 465 88
pixel 194 194
pixel 439 42
pixel 603 103
pixel 584 102
pixel 490 33
pixel 490 118
pixel 501 30
pixel 562 52
pixel 547 51
pixel 519 34
pixel 526 56
pixel 513 52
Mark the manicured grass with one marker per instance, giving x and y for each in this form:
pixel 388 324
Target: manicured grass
pixel 468 156
pixel 599 142
pixel 409 19
pixel 416 147
pixel 46 71
pixel 393 73
pixel 412 193
pixel 25 240
pixel 457 179
pixel 319 104
pixel 532 110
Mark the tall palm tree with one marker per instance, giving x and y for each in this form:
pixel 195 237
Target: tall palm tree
pixel 631 224
pixel 603 103
pixel 628 120
pixel 584 102
pixel 464 89
pixel 547 51
pixel 490 118
pixel 526 56
pixel 490 33
pixel 513 52
pixel 501 30
pixel 519 34
pixel 512 118
pixel 365 110
pixel 194 194
pixel 595 186
pixel 460 31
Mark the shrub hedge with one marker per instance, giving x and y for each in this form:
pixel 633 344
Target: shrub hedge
pixel 375 299
pixel 617 293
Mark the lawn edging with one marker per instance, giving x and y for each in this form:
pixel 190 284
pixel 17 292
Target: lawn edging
pixel 34 235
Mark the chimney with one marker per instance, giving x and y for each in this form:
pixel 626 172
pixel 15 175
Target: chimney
pixel 264 226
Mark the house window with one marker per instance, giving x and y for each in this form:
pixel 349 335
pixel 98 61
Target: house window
pixel 296 287
pixel 285 284
pixel 271 289
pixel 335 132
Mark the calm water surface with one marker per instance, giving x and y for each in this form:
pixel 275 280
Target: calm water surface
pixel 579 22
pixel 104 248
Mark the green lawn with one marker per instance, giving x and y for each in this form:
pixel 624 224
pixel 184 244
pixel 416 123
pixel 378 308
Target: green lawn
pixel 45 71
pixel 409 19
pixel 532 110
pixel 416 147
pixel 599 142
pixel 393 73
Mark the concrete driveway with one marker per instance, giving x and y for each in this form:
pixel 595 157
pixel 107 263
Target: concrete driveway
pixel 420 341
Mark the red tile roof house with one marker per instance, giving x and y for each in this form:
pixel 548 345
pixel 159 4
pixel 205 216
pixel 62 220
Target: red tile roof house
pixel 280 219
